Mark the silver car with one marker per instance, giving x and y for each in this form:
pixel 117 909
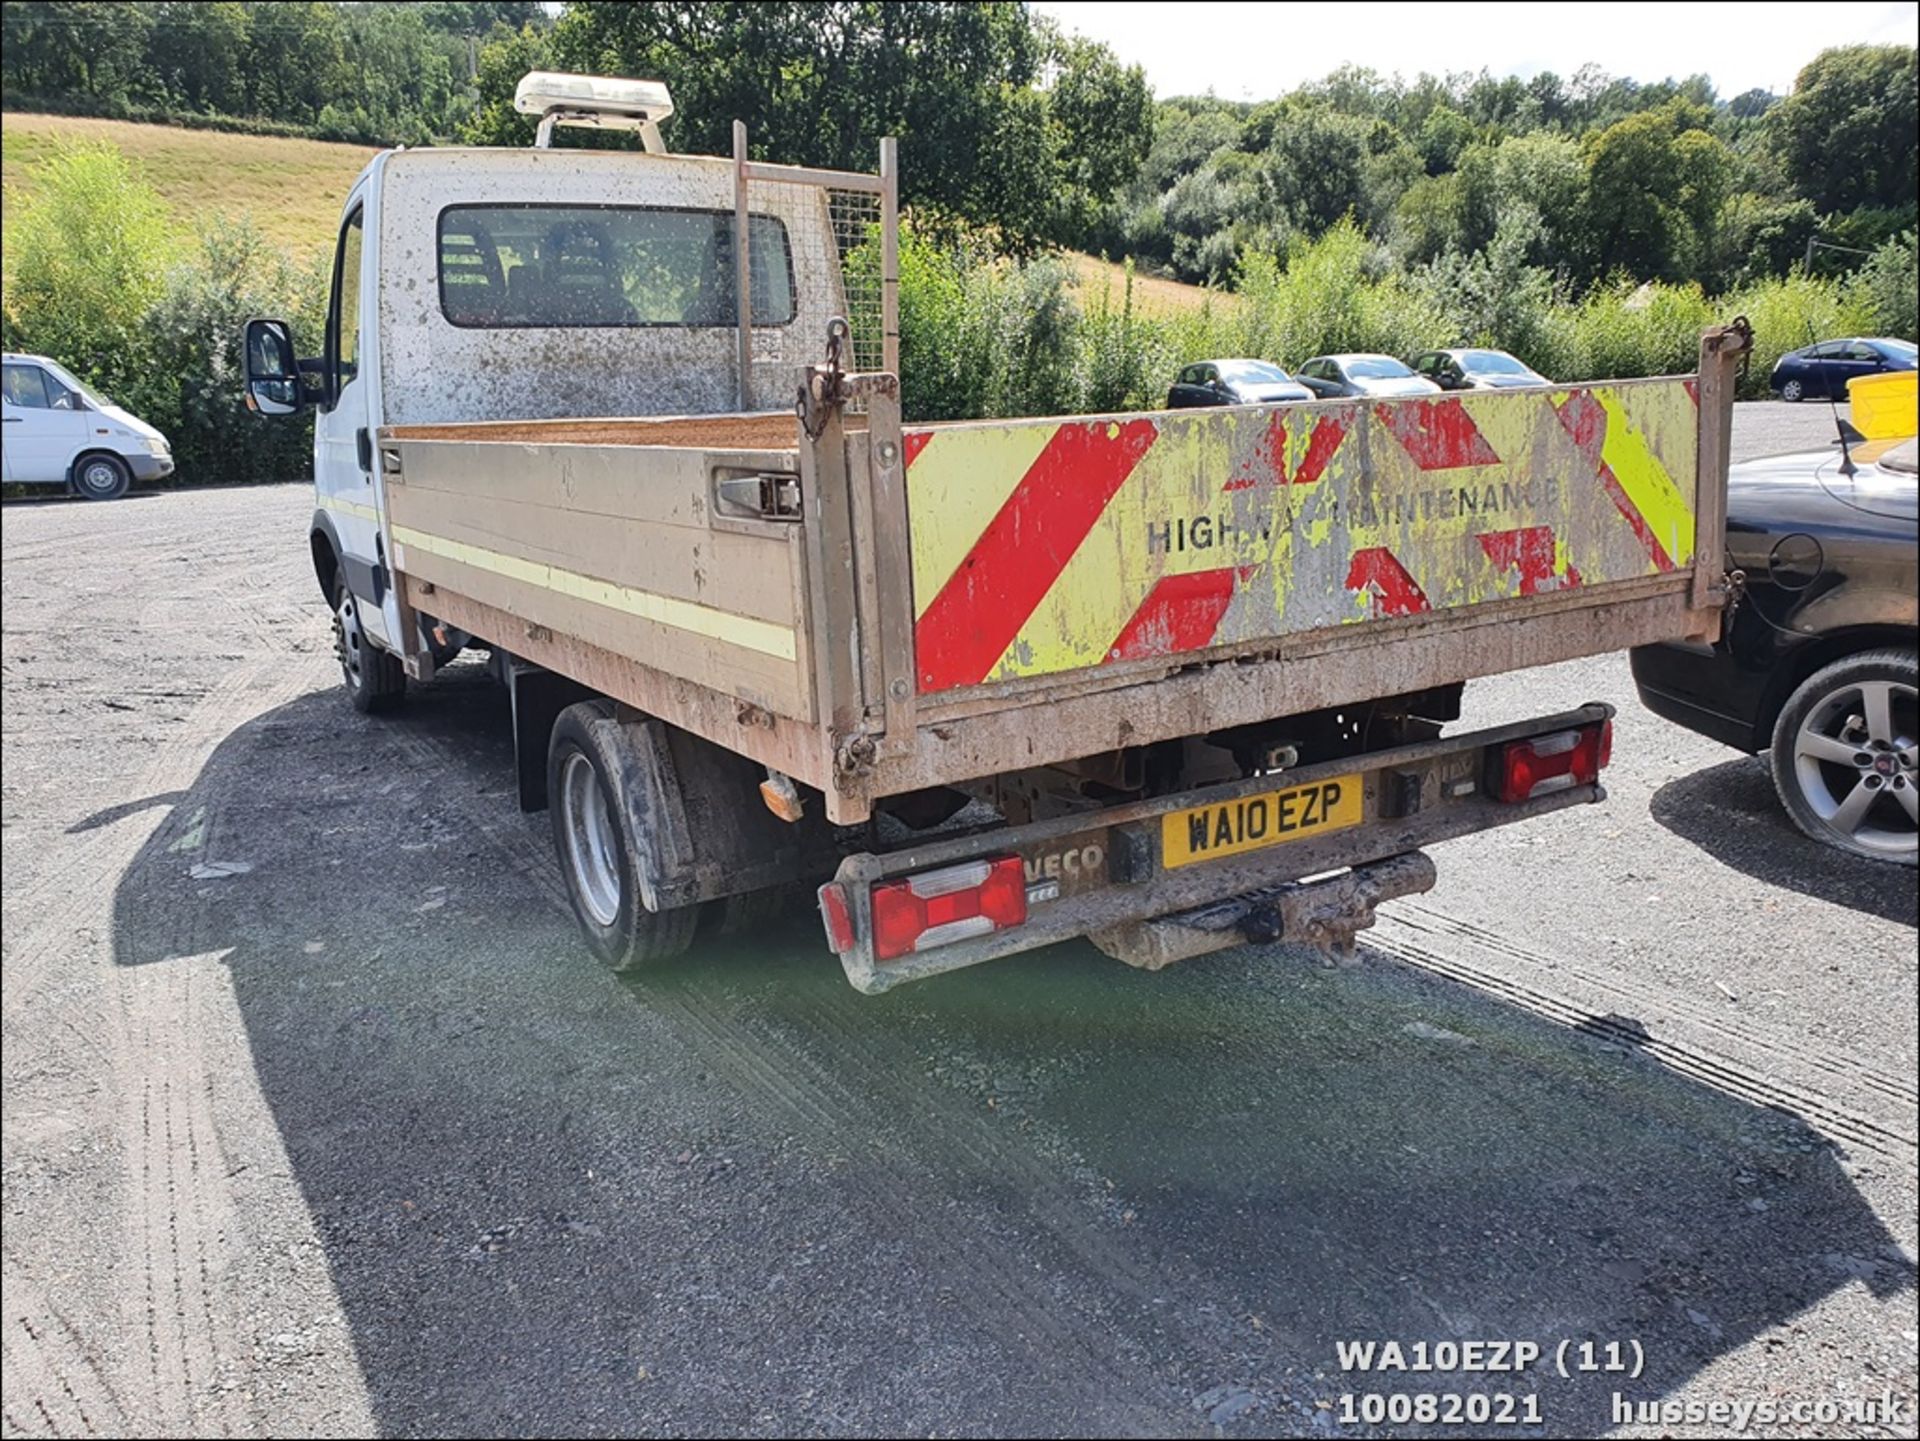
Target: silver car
pixel 1331 376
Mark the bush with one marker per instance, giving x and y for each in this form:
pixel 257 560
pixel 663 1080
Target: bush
pixel 1889 286
pixel 198 374
pixel 155 329
pixel 87 249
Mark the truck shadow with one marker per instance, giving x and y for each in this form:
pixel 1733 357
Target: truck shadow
pixel 1051 1194
pixel 1732 812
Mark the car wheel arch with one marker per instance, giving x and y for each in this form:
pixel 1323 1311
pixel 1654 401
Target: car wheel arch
pixel 1818 653
pixel 82 457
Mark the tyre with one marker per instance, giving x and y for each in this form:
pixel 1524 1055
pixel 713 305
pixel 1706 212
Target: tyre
pixel 599 848
pixel 1792 390
pixel 1844 755
pixel 101 476
pixel 375 680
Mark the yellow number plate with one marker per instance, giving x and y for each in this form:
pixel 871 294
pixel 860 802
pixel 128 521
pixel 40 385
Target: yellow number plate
pixel 1231 828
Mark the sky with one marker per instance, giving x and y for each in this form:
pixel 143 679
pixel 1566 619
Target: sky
pixel 1259 51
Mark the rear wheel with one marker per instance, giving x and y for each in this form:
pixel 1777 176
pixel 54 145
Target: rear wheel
pixel 375 680
pixel 1844 755
pixel 600 846
pixel 101 476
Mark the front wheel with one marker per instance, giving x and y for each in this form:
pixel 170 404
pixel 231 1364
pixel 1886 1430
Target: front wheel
pixel 101 477
pixel 376 682
pixel 1792 390
pixel 1844 755
pixel 600 845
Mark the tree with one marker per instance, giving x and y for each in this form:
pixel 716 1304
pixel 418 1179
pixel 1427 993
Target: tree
pixel 1315 166
pixel 198 53
pixel 1847 133
pixel 982 134
pixel 1105 114
pixel 1890 282
pixel 67 48
pixel 1655 182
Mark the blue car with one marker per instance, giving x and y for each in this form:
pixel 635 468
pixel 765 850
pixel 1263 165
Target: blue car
pixel 1821 372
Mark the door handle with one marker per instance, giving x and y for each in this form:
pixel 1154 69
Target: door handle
pixel 15 419
pixel 363 446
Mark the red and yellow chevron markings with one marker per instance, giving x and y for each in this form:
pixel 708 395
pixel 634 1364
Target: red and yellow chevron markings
pixel 1180 613
pixel 1017 558
pixel 1639 485
pixel 1323 435
pixel 1530 552
pixel 1436 434
pixel 1044 547
pixel 1377 574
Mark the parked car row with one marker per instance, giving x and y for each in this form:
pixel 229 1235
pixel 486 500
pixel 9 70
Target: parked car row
pixel 1332 377
pixel 1813 372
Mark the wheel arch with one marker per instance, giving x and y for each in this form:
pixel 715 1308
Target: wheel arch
pixel 1817 654
pixel 82 457
pixel 325 543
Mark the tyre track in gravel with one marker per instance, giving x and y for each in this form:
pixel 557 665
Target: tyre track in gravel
pixel 56 1385
pixel 177 1207
pixel 1420 936
pixel 1841 1064
pixel 829 1116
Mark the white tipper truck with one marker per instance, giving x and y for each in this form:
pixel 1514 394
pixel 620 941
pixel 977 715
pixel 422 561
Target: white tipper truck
pixel 629 421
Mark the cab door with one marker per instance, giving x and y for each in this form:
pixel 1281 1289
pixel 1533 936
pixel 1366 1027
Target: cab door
pixel 343 430
pixel 42 425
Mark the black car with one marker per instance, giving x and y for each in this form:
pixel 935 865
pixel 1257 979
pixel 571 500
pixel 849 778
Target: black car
pixel 1233 382
pixel 1821 372
pixel 1818 665
pixel 1475 370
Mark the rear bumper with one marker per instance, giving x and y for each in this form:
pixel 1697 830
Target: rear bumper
pixel 1103 872
pixel 1674 681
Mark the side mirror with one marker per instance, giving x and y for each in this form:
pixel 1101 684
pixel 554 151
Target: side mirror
pixel 273 370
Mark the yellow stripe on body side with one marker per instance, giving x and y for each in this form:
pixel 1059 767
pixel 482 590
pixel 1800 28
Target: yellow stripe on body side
pixel 1666 509
pixel 744 631
pixel 349 507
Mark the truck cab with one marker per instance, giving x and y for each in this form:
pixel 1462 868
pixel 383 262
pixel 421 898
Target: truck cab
pixel 475 284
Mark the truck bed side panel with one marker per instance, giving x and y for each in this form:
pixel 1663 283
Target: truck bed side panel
pixel 1046 547
pixel 613 543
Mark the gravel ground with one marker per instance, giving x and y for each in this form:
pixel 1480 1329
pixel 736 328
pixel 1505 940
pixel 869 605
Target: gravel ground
pixel 319 1121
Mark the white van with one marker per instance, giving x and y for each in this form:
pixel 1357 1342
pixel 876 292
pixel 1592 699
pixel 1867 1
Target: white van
pixel 61 432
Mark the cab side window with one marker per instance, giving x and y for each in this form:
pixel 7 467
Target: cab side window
pixel 32 388
pixel 343 315
pixel 26 386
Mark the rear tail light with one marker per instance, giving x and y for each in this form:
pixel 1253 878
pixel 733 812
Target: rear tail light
pixel 956 903
pixel 836 913
pixel 1541 765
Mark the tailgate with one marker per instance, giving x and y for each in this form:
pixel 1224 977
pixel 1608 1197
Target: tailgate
pixel 1044 547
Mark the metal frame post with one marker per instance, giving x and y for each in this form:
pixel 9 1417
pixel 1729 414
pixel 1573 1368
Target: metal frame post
pixel 890 255
pixel 1721 350
pixel 742 266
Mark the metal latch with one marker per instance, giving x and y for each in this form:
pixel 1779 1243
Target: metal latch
pixel 758 496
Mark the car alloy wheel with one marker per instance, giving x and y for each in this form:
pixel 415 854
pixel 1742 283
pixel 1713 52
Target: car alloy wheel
pixel 1854 766
pixel 1792 390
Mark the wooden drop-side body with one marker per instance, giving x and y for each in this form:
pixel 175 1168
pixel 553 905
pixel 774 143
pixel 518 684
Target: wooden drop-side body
pixel 956 602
